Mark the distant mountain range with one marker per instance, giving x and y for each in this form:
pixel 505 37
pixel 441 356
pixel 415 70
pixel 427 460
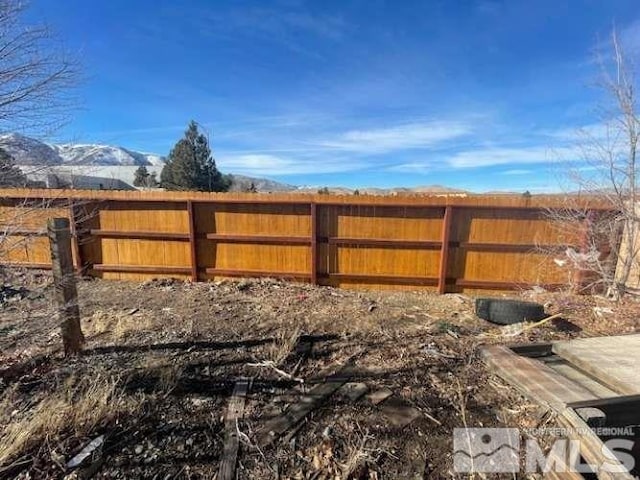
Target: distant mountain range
pixel 29 151
pixel 118 163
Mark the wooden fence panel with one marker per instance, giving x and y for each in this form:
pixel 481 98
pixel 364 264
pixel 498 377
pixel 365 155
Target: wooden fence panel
pixel 452 243
pixel 128 235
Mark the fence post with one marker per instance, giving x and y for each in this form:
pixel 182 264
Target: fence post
pixel 192 242
pixel 66 294
pixel 444 249
pixel 314 243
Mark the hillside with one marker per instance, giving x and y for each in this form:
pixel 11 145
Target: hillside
pixel 29 151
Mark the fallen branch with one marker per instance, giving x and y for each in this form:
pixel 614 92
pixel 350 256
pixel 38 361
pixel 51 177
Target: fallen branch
pixel 516 329
pixel 270 364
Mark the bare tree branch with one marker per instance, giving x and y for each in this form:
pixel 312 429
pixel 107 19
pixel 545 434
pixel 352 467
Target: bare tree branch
pixel 613 155
pixel 36 75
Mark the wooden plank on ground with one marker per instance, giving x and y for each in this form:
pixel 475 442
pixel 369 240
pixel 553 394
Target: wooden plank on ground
pixel 533 378
pixel 563 367
pixel 399 412
pixel 354 390
pixel 276 426
pixel 379 396
pixel 555 459
pixel 615 361
pixel 235 412
pixel 592 449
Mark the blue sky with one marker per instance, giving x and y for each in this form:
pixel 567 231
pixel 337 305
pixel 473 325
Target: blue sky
pixel 478 94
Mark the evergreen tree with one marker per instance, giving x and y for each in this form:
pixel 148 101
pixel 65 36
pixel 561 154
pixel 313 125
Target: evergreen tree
pixel 141 177
pixel 190 165
pixel 152 181
pixel 10 175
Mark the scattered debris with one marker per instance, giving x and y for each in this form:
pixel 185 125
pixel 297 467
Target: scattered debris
pixel 379 396
pixel 601 311
pixel 275 427
pixel 516 329
pixel 182 352
pixel 399 412
pixel 10 294
pixel 431 350
pixel 353 390
pixel 272 365
pixel 86 452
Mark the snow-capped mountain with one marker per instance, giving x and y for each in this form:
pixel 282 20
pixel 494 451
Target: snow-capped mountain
pixel 104 155
pixel 29 151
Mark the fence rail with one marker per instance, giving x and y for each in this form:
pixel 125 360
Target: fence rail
pixel 450 243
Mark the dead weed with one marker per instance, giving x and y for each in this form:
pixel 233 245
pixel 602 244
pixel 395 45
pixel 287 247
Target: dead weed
pixel 78 407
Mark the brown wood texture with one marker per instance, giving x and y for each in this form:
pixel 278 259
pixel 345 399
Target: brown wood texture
pixel 66 293
pixel 534 379
pixel 235 412
pixel 192 241
pixel 274 427
pixel 444 252
pixel 314 243
pixel 491 242
pixel 570 371
pixel 613 360
pixel 592 448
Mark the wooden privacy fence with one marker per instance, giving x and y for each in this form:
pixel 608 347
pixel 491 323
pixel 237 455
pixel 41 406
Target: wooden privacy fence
pixel 450 243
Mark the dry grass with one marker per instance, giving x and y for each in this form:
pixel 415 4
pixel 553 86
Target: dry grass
pixel 78 407
pixel 285 341
pixel 115 324
pixel 166 370
pixel 358 456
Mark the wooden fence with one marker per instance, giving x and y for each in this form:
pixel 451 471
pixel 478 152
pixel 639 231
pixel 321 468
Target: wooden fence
pixel 450 243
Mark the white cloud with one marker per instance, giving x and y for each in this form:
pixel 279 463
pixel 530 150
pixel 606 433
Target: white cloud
pixel 517 171
pixel 411 167
pixel 512 156
pixel 400 137
pixel 267 164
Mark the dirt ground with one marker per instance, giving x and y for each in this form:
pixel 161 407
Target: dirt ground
pixel 162 357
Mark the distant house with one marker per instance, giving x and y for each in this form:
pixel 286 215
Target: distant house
pixel 85 182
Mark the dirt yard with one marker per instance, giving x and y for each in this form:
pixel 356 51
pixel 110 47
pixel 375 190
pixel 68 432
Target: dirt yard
pixel 162 358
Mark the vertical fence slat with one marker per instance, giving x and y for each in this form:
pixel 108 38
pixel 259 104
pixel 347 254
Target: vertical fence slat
pixel 75 242
pixel 314 243
pixel 192 241
pixel 444 251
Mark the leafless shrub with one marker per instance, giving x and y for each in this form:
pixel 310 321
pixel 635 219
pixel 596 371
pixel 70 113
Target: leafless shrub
pixel 610 152
pixel 358 456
